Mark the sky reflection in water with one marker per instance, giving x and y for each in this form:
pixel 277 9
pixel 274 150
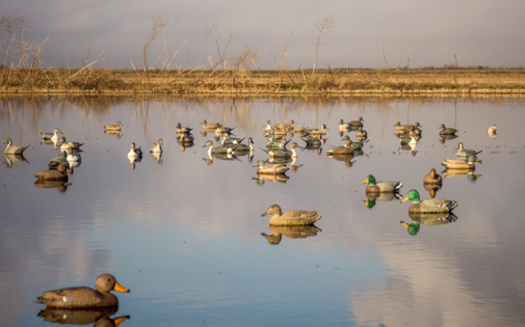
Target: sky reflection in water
pixel 185 235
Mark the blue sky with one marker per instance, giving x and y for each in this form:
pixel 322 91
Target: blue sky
pixel 365 33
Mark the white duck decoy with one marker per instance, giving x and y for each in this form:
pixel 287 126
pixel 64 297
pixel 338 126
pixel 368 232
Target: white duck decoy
pixel 134 152
pixel 13 149
pixel 156 147
pixel 51 136
pixel 66 145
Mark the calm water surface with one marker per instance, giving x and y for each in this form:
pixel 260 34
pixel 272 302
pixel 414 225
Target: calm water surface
pixel 184 232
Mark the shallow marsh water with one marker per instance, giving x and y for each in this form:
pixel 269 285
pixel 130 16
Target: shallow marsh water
pixel 184 233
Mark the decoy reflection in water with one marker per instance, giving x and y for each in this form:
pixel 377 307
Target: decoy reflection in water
pixel 313 143
pixel 381 186
pixel 428 219
pixel 61 186
pixel 465 153
pixel 447 173
pixel 274 178
pixel 11 158
pixel 461 164
pixel 69 145
pixel 291 232
pixel 58 174
pixel 134 151
pixel 113 128
pixel 361 134
pixel 14 149
pixel 372 197
pixel 85 297
pixel 97 317
pixel 283 153
pixel 428 205
pixel 292 217
pixel 491 131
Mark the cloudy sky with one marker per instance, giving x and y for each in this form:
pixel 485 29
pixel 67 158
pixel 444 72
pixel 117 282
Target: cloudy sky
pixel 364 34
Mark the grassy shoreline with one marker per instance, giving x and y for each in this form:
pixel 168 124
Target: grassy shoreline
pixel 452 82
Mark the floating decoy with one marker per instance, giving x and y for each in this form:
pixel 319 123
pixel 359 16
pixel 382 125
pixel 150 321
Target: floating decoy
pixel 352 145
pixel 277 143
pixel 428 205
pixel 65 144
pixel 156 147
pixel 227 140
pixel 361 134
pixel 59 174
pixel 209 126
pixel 85 297
pixel 73 157
pixel 224 129
pixel 288 127
pixel 342 149
pixel 465 153
pixel 56 161
pixel 344 126
pixel 317 131
pixel 356 123
pixel 433 178
pixel 113 128
pixel 447 130
pixel 283 153
pixel 292 217
pixel 14 149
pixel 270 169
pixel 382 186
pixel 185 139
pixel 51 136
pixel 134 152
pixel 461 164
pixel 217 149
pixel 182 130
pixel 243 148
pixel 491 131
pixel 403 129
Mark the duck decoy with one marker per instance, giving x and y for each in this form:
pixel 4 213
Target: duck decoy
pixel 461 164
pixel 447 130
pixel 407 128
pixel 65 144
pixel 213 150
pixel 224 129
pixel 182 130
pixel 465 153
pixel 433 178
pixel 227 140
pixel 342 149
pixel 428 205
pixel 292 217
pixel 56 161
pixel 288 127
pixel 270 169
pixel 156 147
pixel 313 142
pixel 491 131
pixel 85 297
pixel 209 126
pixel 344 126
pixel 268 127
pixel 51 136
pixel 134 152
pixel 283 153
pixel 73 157
pixel 14 149
pixel 113 128
pixel 317 131
pixel 361 134
pixel 243 148
pixel 59 174
pixel 274 143
pixel 353 145
pixel 382 186
pixel 354 124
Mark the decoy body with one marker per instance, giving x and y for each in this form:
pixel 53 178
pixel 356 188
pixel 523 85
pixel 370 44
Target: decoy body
pixel 156 147
pixel 182 130
pixel 85 297
pixel 382 186
pixel 270 169
pixel 465 153
pixel 407 128
pixel 491 131
pixel 51 136
pixel 288 127
pixel 58 174
pixel 356 123
pixel 13 149
pixel 342 149
pixel 113 128
pixel 461 164
pixel 134 152
pixel 447 130
pixel 209 126
pixel 56 161
pixel 428 205
pixel 315 131
pixel 433 178
pixel 292 217
pixel 283 153
pixel 69 145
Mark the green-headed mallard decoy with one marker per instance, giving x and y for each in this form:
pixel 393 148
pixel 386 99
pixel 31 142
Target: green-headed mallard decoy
pixel 283 153
pixel 134 152
pixel 491 131
pixel 56 161
pixel 270 169
pixel 428 205
pixel 156 147
pixel 51 136
pixel 58 174
pixel 382 186
pixel 461 164
pixel 292 217
pixel 465 153
pixel 210 126
pixel 113 128
pixel 182 130
pixel 447 130
pixel 14 149
pixel 317 131
pixel 85 297
pixel 433 178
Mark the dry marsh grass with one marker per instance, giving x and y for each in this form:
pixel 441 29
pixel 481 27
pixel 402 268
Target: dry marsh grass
pixel 337 82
